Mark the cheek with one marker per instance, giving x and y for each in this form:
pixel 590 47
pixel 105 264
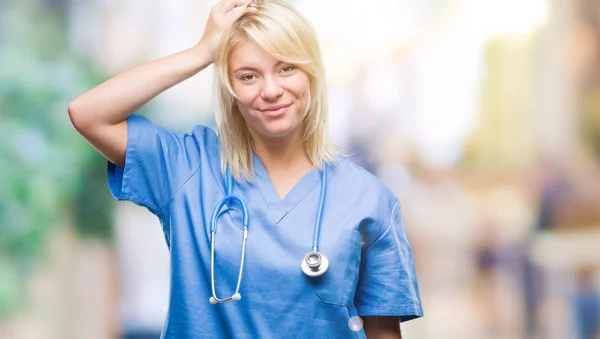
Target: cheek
pixel 306 99
pixel 240 102
pixel 303 88
pixel 244 109
pixel 244 99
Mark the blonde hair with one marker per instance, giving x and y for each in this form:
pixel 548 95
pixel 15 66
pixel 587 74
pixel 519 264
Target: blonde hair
pixel 282 32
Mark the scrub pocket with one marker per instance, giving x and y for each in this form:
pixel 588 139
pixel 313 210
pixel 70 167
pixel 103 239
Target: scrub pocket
pixel 339 282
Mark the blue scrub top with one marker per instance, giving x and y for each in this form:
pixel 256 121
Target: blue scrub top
pixel 371 270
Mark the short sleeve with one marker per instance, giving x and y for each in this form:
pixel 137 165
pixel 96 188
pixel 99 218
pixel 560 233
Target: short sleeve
pixel 387 284
pixel 157 163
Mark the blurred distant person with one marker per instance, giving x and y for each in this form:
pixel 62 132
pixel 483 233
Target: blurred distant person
pixel 553 185
pixel 586 305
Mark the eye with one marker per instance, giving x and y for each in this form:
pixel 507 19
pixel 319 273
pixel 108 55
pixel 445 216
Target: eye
pixel 288 68
pixel 247 77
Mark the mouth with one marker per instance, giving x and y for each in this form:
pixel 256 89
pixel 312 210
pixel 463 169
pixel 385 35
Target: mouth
pixel 276 110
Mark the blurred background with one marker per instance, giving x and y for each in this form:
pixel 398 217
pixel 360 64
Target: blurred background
pixel 483 116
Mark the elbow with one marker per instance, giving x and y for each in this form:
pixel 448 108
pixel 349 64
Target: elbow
pixel 77 116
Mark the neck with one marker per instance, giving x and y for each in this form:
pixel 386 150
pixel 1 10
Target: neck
pixel 282 154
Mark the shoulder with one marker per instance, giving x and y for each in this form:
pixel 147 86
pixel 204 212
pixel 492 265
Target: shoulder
pixel 142 125
pixel 204 130
pixel 181 150
pixel 202 148
pixel 363 188
pixel 362 193
pixel 205 134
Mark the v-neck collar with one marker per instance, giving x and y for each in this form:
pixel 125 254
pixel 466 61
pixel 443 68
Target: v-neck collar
pixel 280 207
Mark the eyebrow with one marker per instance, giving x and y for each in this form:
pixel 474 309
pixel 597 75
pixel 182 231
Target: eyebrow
pixel 252 69
pixel 245 68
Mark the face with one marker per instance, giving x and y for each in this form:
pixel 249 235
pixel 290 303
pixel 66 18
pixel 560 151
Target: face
pixel 273 96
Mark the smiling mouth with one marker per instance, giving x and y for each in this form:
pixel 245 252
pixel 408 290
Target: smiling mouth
pixel 276 110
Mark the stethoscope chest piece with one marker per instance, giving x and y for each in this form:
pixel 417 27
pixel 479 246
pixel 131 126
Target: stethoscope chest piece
pixel 315 264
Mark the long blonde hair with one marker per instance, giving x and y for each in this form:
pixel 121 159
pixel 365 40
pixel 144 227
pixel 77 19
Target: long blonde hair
pixel 284 33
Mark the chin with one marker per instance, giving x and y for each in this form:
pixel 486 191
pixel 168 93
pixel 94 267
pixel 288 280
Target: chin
pixel 278 129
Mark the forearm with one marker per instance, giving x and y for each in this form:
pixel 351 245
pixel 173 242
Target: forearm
pixel 116 99
pixel 382 327
pixel 381 335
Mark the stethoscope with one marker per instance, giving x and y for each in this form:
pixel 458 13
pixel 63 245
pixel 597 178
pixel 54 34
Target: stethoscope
pixel 314 263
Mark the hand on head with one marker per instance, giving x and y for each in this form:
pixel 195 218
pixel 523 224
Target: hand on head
pixel 222 15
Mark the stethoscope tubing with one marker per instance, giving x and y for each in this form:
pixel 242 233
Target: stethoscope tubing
pixel 317 232
pixel 245 219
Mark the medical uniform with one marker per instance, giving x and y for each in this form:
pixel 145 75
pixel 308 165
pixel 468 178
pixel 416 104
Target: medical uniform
pixel 371 270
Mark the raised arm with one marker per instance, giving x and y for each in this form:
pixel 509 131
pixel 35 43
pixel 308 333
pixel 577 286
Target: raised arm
pixel 100 115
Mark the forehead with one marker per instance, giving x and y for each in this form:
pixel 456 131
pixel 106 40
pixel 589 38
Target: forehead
pixel 248 54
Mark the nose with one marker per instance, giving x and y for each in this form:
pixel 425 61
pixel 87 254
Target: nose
pixel 271 90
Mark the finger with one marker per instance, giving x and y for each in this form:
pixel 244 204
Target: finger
pixel 228 5
pixel 217 6
pixel 237 11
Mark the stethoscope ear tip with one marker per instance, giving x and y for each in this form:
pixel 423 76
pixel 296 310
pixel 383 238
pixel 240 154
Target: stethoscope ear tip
pixel 237 297
pixel 212 300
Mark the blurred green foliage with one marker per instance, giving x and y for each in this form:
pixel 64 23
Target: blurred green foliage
pixel 49 176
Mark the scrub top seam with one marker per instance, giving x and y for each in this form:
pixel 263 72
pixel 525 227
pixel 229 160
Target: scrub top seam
pixel 210 162
pixel 269 205
pixel 179 189
pixel 218 172
pixel 287 210
pixel 388 227
pixel 329 174
pixel 412 304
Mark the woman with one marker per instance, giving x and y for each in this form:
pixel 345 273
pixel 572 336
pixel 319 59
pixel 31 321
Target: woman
pixel 272 117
